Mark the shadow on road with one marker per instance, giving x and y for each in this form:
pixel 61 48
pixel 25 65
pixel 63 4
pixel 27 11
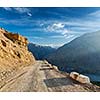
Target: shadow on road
pixel 54 82
pixel 46 68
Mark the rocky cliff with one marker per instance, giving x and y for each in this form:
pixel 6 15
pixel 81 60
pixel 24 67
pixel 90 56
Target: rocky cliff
pixel 14 54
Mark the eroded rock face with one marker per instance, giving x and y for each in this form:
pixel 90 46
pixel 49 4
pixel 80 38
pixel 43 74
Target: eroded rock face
pixel 16 38
pixel 14 54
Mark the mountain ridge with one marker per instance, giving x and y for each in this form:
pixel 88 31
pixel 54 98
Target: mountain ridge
pixel 40 51
pixel 79 55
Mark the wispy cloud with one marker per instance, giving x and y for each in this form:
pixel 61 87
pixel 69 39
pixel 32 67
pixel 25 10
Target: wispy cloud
pixel 57 36
pixel 29 14
pixel 95 14
pixel 35 37
pixel 20 10
pixel 55 27
pixel 7 8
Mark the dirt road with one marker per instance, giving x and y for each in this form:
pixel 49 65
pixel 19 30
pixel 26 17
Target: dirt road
pixel 41 77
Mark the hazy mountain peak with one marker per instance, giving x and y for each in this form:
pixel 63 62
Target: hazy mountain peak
pixel 40 51
pixel 82 55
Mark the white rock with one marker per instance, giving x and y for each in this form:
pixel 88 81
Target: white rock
pixel 45 62
pixel 83 79
pixel 74 75
pixel 55 67
pixel 49 65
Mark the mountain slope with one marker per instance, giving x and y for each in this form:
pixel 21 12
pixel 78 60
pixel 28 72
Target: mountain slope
pixel 81 55
pixel 40 51
pixel 14 54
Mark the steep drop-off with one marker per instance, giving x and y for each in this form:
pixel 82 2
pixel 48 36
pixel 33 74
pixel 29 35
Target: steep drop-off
pixel 81 55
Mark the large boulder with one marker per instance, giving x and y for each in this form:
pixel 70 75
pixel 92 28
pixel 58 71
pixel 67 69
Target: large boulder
pixel 79 77
pixel 83 79
pixel 74 75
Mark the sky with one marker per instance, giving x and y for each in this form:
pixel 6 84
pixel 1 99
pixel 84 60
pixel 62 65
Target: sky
pixel 52 26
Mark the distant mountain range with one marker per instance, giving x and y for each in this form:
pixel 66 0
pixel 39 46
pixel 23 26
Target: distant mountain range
pixel 81 55
pixel 40 51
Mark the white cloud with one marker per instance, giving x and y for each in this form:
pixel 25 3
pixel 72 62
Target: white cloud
pixel 21 9
pixel 57 36
pixel 58 28
pixel 61 31
pixel 65 31
pixel 7 8
pixel 65 35
pixel 55 27
pixel 35 37
pixel 29 14
pixel 95 14
pixel 70 36
pixel 53 45
pixel 58 25
pixel 41 24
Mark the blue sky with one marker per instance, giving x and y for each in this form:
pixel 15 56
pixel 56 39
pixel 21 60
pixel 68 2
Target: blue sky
pixel 50 26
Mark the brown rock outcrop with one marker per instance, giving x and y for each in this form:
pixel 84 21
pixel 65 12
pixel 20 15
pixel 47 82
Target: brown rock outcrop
pixel 16 38
pixel 14 54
